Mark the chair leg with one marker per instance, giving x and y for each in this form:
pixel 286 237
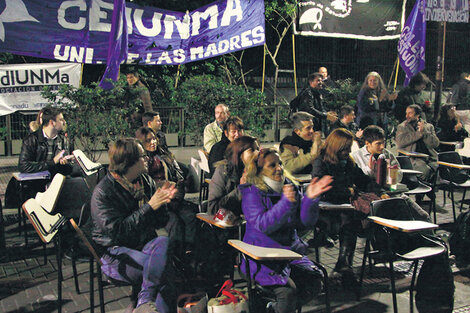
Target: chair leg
pixel 75 274
pixel 453 204
pixel 463 198
pixel 44 249
pixel 317 249
pixel 100 287
pixel 92 287
pixel 394 292
pixel 415 264
pixel 60 277
pixel 363 267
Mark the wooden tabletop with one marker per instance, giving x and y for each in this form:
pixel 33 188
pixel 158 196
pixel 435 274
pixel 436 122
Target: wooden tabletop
pixel 403 226
pixel 413 154
pixel 450 143
pixel 407 171
pixel 264 254
pixel 455 165
pixel 209 218
pixel 302 178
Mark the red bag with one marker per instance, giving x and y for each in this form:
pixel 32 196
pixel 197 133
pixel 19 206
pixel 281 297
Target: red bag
pixel 362 200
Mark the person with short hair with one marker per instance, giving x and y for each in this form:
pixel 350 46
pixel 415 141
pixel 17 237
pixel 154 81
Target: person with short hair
pixel 153 121
pixel 451 129
pixel 213 131
pixel 46 149
pixel 312 102
pixel 300 149
pixel 416 135
pixel 273 208
pixel 346 120
pixel 327 81
pixel 233 128
pixel 133 80
pixel 413 94
pixel 126 209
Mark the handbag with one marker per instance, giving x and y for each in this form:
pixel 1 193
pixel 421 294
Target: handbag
pixel 192 303
pixel 362 200
pixel 231 300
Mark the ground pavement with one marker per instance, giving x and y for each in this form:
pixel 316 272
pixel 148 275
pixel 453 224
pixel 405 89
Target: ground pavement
pixel 27 285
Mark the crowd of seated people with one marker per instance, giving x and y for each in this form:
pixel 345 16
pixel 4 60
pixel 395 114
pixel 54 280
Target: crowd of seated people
pixel 141 220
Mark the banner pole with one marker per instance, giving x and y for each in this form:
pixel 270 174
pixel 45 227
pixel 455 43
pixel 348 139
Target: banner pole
pixel 177 75
pixel 81 76
pixel 295 67
pixel 264 67
pixel 396 73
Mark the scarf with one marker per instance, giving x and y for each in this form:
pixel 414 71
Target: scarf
pixel 135 189
pixel 295 140
pixel 273 184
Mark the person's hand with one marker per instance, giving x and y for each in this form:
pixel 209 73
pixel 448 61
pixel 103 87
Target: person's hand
pixel 420 126
pixel 58 157
pixel 318 186
pixel 458 127
pixel 243 178
pixel 384 196
pixel 393 96
pixel 352 191
pixel 162 196
pixel 316 143
pixel 359 133
pixel 288 192
pixel 331 116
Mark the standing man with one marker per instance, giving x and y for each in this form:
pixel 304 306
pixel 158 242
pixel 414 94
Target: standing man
pixel 213 131
pixel 459 95
pixel 134 82
pixel 232 129
pixel 311 102
pixel 416 135
pixel 326 79
pixel 126 209
pixel 153 121
pixel 346 120
pixel 302 147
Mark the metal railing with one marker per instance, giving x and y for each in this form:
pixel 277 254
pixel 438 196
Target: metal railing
pixel 173 118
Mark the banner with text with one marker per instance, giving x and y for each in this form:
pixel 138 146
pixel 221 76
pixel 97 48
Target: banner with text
pixel 453 11
pixel 21 84
pixel 78 31
pixel 358 19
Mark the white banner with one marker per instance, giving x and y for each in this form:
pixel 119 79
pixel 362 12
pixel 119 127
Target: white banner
pixel 21 84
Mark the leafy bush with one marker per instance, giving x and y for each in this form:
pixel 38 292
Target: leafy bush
pixel 200 94
pixel 94 116
pixel 345 93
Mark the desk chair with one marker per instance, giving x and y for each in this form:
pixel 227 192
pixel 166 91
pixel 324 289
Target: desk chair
pixel 465 150
pixel 262 254
pixel 40 212
pixel 395 236
pixel 454 175
pixel 93 257
pixel 204 182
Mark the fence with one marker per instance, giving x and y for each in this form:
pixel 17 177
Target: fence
pixel 173 118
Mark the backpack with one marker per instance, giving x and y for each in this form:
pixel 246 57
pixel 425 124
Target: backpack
pixel 459 239
pixel 435 285
pixel 294 104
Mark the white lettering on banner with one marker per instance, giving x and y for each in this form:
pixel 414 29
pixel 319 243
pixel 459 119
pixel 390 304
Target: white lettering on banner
pixel 455 11
pixel 405 44
pixel 74 54
pixel 32 77
pixel 101 11
pixel 212 12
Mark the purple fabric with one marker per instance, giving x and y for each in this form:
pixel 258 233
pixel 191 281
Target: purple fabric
pixel 78 31
pixel 412 43
pixel 146 266
pixel 117 50
pixel 273 224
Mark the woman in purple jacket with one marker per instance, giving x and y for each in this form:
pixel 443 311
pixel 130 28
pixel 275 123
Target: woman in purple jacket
pixel 273 209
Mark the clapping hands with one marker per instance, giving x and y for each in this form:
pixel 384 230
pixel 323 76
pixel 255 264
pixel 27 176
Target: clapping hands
pixel 318 186
pixel 163 195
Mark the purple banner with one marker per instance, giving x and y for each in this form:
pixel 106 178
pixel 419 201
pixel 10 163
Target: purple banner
pixel 78 31
pixel 412 43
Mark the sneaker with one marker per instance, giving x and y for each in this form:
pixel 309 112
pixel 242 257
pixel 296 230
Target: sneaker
pixel 270 307
pixel 148 307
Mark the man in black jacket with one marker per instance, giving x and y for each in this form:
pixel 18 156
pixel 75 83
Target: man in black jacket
pixel 126 209
pixel 312 102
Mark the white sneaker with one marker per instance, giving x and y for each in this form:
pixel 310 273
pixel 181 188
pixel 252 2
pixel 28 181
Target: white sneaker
pixel 148 307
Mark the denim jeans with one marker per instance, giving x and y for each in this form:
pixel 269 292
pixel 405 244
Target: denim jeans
pixel 146 266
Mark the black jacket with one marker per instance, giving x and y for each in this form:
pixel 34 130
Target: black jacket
pixel 218 152
pixel 117 218
pixel 34 154
pixel 459 94
pixel 311 102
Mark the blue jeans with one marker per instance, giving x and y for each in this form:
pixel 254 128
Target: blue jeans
pixel 146 266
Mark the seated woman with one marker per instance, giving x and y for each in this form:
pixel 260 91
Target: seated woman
pixel 126 207
pixel 451 128
pixel 163 168
pixel 273 209
pixel 223 191
pixel 348 180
